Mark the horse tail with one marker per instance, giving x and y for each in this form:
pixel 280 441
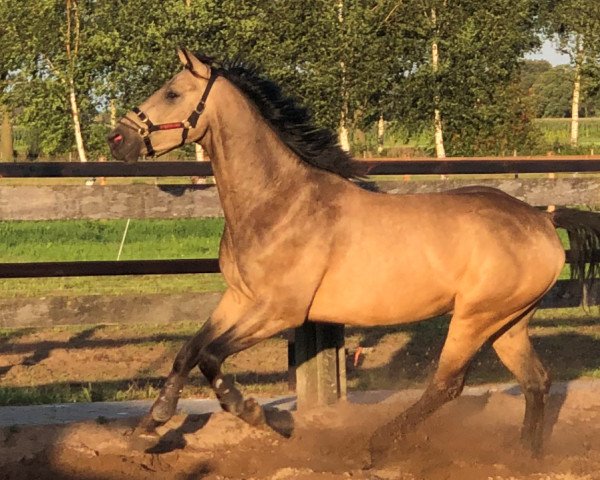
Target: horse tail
pixel 583 229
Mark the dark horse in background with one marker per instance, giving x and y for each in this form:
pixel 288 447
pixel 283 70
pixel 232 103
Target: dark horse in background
pixel 303 241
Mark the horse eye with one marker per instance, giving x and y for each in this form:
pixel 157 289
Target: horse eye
pixel 172 95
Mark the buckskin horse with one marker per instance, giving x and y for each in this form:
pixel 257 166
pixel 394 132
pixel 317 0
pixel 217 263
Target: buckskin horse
pixel 303 241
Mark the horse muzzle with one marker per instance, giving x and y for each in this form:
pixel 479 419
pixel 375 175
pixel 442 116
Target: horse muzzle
pixel 125 144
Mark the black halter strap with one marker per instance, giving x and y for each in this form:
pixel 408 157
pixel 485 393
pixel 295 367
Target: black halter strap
pixel 186 125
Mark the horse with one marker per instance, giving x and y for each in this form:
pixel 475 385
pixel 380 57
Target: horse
pixel 303 241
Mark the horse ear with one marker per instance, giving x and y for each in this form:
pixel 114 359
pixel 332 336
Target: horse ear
pixel 191 62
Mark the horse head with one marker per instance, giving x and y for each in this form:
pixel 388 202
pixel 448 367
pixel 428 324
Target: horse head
pixel 169 118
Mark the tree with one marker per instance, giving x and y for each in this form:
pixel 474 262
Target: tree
pixel 552 92
pixel 50 37
pixel 464 68
pixel 576 25
pixel 337 57
pixel 6 140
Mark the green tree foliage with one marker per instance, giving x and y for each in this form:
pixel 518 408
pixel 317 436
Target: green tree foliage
pixel 576 24
pixel 46 58
pixel 551 89
pixel 365 58
pixel 480 44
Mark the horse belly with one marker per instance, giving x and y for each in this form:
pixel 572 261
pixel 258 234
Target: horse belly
pixel 379 296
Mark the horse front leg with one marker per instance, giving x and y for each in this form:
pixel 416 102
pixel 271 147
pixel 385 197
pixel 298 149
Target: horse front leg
pixel 165 405
pixel 234 327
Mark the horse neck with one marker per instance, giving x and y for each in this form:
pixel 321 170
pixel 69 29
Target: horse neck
pixel 251 165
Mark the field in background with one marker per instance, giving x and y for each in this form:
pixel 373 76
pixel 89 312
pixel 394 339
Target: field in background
pixel 556 136
pixel 557 133
pixel 83 240
pixel 79 240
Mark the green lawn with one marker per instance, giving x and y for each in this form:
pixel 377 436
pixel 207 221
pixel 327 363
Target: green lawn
pixel 557 131
pixel 83 240
pixel 78 240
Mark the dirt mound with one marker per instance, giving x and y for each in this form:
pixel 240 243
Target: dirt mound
pixel 473 438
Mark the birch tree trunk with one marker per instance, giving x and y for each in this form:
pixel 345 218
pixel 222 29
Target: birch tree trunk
pixel 576 93
pixel 76 122
pixel 72 35
pixel 440 151
pixel 112 106
pixel 380 134
pixel 6 138
pixel 344 136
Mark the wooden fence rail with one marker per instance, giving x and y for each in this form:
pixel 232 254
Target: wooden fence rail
pixel 383 166
pixel 120 267
pixel 99 268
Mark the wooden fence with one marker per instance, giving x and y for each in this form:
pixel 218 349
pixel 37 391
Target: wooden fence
pixel 318 351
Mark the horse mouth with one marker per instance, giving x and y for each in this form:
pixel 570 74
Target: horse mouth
pixel 124 147
pixel 125 155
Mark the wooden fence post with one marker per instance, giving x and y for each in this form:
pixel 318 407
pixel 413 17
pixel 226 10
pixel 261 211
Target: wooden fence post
pixel 320 364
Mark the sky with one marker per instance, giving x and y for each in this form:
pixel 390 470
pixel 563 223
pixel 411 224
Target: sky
pixel 548 52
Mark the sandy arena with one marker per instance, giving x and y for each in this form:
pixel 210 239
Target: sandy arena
pixel 476 437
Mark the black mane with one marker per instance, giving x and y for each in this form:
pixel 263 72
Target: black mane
pixel 292 123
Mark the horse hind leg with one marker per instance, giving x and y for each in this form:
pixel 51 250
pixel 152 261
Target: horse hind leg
pixel 230 398
pixel 514 349
pixel 465 337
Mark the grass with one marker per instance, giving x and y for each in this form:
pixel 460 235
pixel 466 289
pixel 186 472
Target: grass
pixel 83 240
pixel 556 136
pixel 66 240
pixel 557 132
pixel 143 284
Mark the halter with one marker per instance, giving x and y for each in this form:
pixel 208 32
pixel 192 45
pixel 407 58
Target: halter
pixel 186 125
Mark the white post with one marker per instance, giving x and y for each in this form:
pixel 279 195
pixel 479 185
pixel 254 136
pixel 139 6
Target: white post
pixel 123 239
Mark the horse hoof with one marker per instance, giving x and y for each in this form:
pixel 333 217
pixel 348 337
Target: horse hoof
pixel 147 427
pixel 253 413
pixel 163 409
pixel 534 443
pixel 145 436
pixel 379 443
